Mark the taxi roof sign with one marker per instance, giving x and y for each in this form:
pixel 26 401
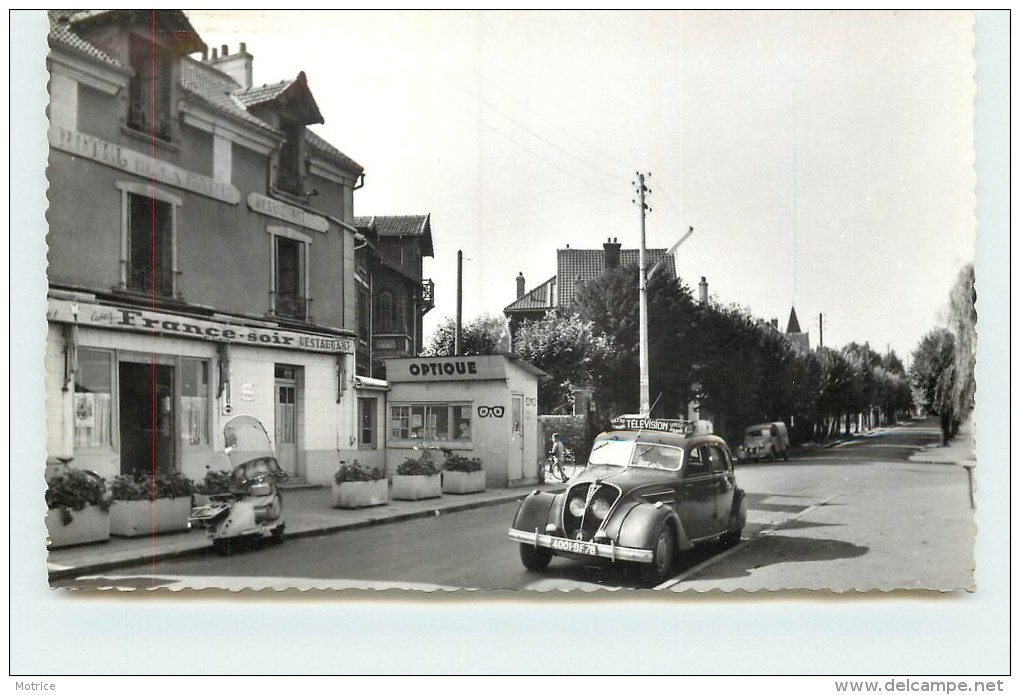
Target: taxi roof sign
pixel 636 422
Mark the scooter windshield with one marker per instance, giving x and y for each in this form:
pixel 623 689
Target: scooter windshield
pixel 246 439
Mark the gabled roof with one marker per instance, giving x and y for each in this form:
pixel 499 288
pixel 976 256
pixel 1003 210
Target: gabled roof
pixel 215 88
pixel 537 299
pixel 400 225
pixel 295 91
pixel 173 25
pixel 62 34
pixel 578 266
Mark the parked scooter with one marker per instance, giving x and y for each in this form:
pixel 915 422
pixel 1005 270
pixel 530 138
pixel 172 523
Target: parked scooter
pixel 253 506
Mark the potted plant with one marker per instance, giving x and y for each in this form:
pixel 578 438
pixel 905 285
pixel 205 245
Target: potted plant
pixel 463 475
pixel 214 483
pixel 417 479
pixel 149 504
pixel 79 509
pixel 355 486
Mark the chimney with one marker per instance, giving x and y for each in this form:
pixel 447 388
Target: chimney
pixel 612 254
pixel 237 66
pixel 520 285
pixel 703 290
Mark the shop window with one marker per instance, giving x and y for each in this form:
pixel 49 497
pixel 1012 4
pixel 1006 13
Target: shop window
pixel 149 93
pixel 290 274
pixel 93 399
pixel 434 422
pixel 366 422
pixel 195 402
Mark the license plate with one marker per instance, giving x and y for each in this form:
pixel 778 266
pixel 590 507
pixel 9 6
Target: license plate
pixel 578 547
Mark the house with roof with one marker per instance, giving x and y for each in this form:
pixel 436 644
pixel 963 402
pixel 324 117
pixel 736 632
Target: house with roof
pixel 574 268
pixel 201 256
pixel 392 295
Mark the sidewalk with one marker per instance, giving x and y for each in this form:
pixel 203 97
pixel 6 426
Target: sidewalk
pixel 959 451
pixel 308 512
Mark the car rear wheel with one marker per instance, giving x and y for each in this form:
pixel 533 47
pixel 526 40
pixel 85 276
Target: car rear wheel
pixel 731 538
pixel 535 559
pixel 663 557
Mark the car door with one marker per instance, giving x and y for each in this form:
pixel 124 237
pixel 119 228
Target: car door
pixel 698 493
pixel 724 483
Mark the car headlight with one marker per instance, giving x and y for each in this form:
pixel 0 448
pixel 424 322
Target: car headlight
pixel 600 508
pixel 576 506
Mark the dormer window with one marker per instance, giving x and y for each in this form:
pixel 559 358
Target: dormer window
pixel 150 90
pixel 288 172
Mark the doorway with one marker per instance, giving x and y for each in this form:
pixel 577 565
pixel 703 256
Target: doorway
pixel 286 418
pixel 516 469
pixel 146 417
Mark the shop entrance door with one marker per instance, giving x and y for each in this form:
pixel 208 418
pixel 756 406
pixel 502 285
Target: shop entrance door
pixel 146 417
pixel 516 471
pixel 286 417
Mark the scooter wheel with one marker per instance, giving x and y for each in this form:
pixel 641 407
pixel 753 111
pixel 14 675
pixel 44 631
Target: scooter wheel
pixel 221 546
pixel 277 534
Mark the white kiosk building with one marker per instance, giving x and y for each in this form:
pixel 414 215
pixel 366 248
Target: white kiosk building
pixel 483 406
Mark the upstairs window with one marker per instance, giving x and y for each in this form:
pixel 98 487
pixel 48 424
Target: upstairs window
pixel 288 172
pixel 148 243
pixel 150 90
pixel 290 274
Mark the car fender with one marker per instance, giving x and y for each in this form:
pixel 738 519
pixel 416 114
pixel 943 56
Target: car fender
pixel 534 512
pixel 641 524
pixel 739 511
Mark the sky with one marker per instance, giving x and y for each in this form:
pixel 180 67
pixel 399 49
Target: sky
pixel 824 159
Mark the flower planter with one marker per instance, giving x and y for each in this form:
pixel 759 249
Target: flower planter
pixel 463 482
pixel 145 517
pixel 353 494
pixel 417 487
pixel 90 525
pixel 200 499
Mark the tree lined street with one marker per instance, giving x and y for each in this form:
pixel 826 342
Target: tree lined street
pixel 856 516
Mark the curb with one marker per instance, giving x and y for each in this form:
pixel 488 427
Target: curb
pixel 103 566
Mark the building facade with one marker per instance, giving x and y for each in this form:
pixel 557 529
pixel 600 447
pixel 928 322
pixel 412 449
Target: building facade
pixel 392 295
pixel 574 268
pixel 201 255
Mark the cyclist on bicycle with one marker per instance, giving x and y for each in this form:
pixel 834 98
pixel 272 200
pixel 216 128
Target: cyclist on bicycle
pixel 557 455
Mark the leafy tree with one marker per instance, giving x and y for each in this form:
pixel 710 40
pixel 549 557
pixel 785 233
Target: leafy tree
pixel 962 319
pixel 933 375
pixel 571 351
pixel 485 335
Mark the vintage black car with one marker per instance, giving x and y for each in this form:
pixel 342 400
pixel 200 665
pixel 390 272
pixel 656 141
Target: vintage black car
pixel 650 491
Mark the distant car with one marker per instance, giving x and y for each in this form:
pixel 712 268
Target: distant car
pixel 649 492
pixel 766 440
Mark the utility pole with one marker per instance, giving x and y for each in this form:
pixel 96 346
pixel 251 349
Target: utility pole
pixel 457 336
pixel 820 343
pixel 643 299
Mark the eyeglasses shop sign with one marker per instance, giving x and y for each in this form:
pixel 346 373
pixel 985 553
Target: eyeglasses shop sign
pixel 449 369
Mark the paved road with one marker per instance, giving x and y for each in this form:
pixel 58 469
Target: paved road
pixel 855 516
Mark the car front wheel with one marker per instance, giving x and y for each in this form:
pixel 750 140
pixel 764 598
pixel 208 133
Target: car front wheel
pixel 535 559
pixel 663 556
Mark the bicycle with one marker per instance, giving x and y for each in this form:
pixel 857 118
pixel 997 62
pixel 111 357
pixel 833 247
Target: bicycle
pixel 552 465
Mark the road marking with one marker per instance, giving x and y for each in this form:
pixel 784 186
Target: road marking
pixel 769 530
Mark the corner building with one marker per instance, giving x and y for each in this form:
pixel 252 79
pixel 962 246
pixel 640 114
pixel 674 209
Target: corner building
pixel 201 254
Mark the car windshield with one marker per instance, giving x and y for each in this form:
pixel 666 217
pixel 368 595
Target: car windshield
pixel 639 454
pixel 758 432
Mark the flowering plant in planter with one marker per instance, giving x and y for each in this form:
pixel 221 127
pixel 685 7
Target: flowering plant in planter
pixel 354 472
pixel 419 466
pixel 143 486
pixel 74 490
pixel 214 483
pixel 456 462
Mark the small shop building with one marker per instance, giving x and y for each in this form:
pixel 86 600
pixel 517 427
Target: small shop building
pixel 483 406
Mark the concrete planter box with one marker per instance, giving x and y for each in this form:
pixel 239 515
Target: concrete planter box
pixel 417 487
pixel 90 525
pixel 145 517
pixel 462 482
pixel 360 493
